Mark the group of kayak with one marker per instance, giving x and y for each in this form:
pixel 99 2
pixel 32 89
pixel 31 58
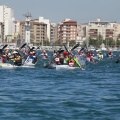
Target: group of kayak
pixel 61 59
pixel 67 60
pixel 17 58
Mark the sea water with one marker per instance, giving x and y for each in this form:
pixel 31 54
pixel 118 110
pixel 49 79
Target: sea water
pixel 46 94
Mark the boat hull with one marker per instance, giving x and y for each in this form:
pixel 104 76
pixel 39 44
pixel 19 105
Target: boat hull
pixel 65 67
pixel 10 66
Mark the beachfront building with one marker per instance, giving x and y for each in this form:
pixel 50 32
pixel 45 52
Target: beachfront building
pixel 97 28
pixel 67 31
pixel 47 22
pixel 117 31
pixel 80 33
pixel 1 32
pixel 38 32
pixel 7 17
pixel 53 33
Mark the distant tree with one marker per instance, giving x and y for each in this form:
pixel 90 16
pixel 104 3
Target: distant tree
pixel 118 37
pixel 46 43
pixel 58 43
pixel 93 42
pixel 72 42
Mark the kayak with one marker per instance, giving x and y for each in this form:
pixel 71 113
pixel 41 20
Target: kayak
pixel 65 67
pixel 10 66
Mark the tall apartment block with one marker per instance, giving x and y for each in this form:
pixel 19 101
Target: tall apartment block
pixel 38 32
pixel 53 33
pixel 47 22
pixel 67 31
pixel 98 27
pixel 116 31
pixel 80 33
pixel 7 17
pixel 1 32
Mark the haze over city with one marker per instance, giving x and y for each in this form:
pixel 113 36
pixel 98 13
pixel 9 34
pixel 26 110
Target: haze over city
pixel 57 10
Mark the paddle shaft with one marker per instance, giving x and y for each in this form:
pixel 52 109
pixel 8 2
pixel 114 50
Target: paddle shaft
pixel 54 58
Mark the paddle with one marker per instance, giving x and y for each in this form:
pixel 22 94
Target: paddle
pixel 117 61
pixel 22 46
pixel 1 50
pixel 59 52
pixel 30 49
pixel 66 48
pixel 4 47
pixel 38 47
pixel 75 46
pixel 81 49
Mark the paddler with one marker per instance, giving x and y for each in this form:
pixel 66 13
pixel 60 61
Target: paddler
pixel 100 55
pixel 5 56
pixel 17 59
pixel 72 62
pixel 31 57
pixel 44 54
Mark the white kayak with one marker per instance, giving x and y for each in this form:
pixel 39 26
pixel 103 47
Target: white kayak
pixel 65 67
pixel 10 66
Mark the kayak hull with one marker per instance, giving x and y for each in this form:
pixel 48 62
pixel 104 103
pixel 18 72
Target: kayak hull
pixel 10 66
pixel 65 67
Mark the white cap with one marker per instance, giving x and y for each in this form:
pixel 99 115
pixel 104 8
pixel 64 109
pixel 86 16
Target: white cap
pixel 7 48
pixel 15 52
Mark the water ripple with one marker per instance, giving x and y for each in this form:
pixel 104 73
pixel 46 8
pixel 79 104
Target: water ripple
pixel 47 94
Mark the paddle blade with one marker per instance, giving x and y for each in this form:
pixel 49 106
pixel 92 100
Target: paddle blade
pixel 4 47
pixel 81 49
pixel 0 51
pixel 61 51
pixel 28 47
pixel 117 61
pixel 75 46
pixel 66 48
pixel 32 48
pixel 38 47
pixel 22 46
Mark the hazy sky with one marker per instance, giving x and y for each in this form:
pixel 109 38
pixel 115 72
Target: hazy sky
pixel 58 10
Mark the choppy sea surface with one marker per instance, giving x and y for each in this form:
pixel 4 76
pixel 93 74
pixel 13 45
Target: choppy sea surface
pixel 47 94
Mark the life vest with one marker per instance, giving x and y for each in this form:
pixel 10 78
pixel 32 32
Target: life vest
pixel 17 61
pixel 34 59
pixel 4 59
pixel 45 55
pixel 88 57
pixel 110 53
pixel 100 55
pixel 57 60
pixel 71 63
pixel 65 53
pixel 92 55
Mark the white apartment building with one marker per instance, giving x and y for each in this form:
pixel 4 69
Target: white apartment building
pixel 53 32
pixel 80 33
pixel 98 27
pixel 67 31
pixel 116 31
pixel 7 17
pixel 1 32
pixel 17 27
pixel 46 21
